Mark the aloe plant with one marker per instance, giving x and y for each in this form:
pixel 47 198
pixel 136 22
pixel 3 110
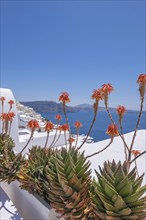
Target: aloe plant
pixel 8 169
pixel 6 142
pixel 31 175
pixel 118 193
pixel 69 176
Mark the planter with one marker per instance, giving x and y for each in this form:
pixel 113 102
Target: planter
pixel 7 208
pixel 28 205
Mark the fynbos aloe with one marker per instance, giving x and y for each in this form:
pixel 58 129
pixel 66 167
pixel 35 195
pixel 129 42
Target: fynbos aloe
pixel 118 193
pixel 69 176
pixel 32 176
pixel 8 168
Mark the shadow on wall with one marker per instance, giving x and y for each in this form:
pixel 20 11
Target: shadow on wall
pixel 7 207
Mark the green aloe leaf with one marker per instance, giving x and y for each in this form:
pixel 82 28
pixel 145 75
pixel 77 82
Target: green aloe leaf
pixel 138 202
pixel 137 184
pixel 136 195
pixel 138 209
pixel 126 211
pixel 127 190
pixel 119 204
pixel 109 191
pixel 122 184
pixel 132 174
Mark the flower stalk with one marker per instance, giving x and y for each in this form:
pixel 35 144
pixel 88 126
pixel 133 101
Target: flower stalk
pixel 98 152
pixel 58 118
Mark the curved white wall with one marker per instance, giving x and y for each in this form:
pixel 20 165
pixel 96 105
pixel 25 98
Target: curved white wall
pixel 7 93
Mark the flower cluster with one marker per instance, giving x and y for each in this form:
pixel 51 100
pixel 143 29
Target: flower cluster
pixel 8 117
pixel 142 84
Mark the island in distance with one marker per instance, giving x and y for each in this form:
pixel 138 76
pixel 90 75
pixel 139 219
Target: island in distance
pixel 52 106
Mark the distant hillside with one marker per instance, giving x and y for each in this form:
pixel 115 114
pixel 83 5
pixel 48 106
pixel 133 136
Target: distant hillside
pixel 46 106
pixel 51 106
pixel 83 107
pixel 88 107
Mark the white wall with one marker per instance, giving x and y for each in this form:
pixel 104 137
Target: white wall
pixel 7 93
pixel 20 141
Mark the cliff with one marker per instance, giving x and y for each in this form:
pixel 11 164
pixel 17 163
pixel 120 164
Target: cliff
pixel 51 106
pixel 46 106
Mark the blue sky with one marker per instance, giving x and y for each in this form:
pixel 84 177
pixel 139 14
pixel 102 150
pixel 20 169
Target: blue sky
pixel 48 47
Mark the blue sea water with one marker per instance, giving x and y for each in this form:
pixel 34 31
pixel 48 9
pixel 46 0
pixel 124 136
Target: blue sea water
pixel 102 121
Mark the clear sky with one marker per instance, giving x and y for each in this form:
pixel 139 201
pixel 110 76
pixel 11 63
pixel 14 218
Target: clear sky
pixel 48 47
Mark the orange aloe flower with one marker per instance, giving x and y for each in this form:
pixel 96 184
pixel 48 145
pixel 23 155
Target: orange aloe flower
pixel 33 125
pixel 135 152
pixel 78 124
pixel 7 116
pixel 49 126
pixel 97 94
pixel 64 127
pixel 142 84
pixel 107 88
pixel 142 79
pixel 121 110
pixel 2 99
pixel 71 140
pixel 112 130
pixel 11 102
pixel 58 117
pixel 64 97
pixel 4 116
pixel 11 115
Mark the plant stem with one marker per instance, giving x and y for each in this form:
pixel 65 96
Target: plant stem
pixel 10 127
pixel 93 121
pixel 47 139
pixel 23 147
pixel 66 118
pixel 121 128
pixel 77 134
pixel 65 138
pixel 54 137
pixel 3 125
pixel 136 168
pixel 6 126
pixel 57 138
pixel 136 128
pixel 110 116
pixel 101 150
pixel 27 143
pixel 2 107
pixel 10 109
pixel 135 158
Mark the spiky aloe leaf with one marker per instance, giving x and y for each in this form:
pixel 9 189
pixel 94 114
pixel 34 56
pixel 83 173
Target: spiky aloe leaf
pixel 119 197
pixel 6 142
pixel 119 203
pixel 126 191
pixel 138 182
pixel 135 195
pixel 69 183
pixel 132 174
pixel 9 162
pixel 31 175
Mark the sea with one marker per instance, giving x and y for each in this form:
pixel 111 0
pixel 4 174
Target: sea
pixel 98 132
